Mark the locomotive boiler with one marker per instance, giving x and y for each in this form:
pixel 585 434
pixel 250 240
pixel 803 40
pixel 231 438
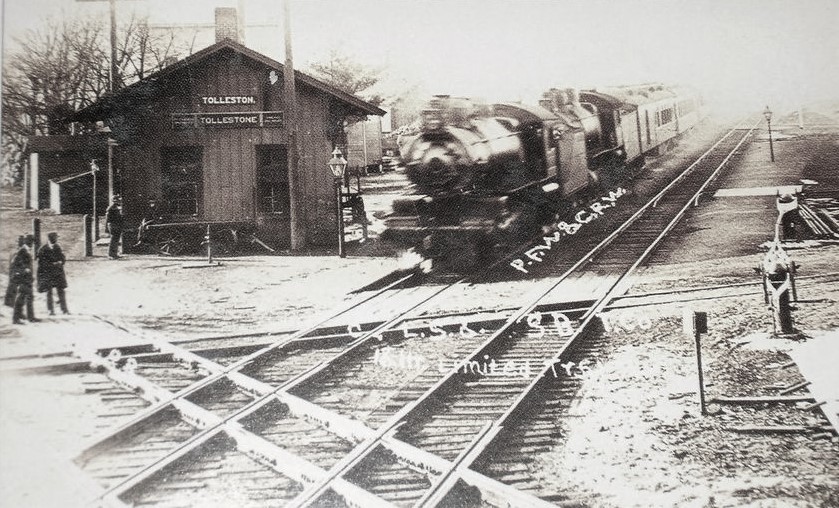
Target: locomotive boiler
pixel 486 176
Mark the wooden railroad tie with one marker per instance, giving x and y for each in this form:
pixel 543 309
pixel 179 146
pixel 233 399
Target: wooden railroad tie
pixel 762 399
pixel 780 429
pixel 792 388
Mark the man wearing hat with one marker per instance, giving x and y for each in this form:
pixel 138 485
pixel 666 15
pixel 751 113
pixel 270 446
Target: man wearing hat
pixel 113 225
pixel 11 289
pixel 21 278
pixel 51 273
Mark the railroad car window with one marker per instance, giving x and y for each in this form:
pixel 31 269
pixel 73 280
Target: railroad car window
pixel 666 116
pixel 181 180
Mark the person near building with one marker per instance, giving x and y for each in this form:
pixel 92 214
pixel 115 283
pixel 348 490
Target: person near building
pixel 21 277
pixel 11 289
pixel 113 225
pixel 51 273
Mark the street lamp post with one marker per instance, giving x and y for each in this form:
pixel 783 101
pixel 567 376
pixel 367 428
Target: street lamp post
pixel 337 164
pixel 767 113
pixel 94 168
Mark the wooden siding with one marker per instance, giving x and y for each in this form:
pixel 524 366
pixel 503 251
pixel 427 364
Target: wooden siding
pixel 229 154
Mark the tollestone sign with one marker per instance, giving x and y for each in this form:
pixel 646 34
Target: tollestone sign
pixel 252 119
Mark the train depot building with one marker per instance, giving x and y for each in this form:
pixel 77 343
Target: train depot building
pixel 205 140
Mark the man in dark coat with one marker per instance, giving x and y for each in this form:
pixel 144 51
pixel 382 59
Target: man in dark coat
pixel 113 225
pixel 11 289
pixel 51 273
pixel 21 277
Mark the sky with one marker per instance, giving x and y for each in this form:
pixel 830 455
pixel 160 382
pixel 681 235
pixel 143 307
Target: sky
pixel 741 54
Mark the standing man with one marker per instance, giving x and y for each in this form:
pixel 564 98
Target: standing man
pixel 51 273
pixel 113 225
pixel 11 289
pixel 21 278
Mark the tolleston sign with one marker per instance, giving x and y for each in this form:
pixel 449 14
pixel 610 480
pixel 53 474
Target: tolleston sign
pixel 218 100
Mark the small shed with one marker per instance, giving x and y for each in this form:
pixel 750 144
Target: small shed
pixel 74 193
pixel 64 159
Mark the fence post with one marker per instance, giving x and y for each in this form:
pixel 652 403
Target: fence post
pixel 209 242
pixel 36 232
pixel 88 236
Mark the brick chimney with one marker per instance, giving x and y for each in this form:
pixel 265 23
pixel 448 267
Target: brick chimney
pixel 227 24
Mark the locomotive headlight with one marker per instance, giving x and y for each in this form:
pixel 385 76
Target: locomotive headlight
pixel 432 120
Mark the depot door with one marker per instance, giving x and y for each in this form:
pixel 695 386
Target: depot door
pixel 273 203
pixel 272 180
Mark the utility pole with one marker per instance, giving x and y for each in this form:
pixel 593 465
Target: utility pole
pixel 112 87
pixel 298 239
pixel 112 5
pixel 112 84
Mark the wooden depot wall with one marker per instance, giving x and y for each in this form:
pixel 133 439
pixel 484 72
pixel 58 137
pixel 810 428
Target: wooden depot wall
pixel 229 153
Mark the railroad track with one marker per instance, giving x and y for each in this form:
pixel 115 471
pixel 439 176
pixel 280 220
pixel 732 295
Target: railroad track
pixel 242 420
pixel 459 417
pixel 227 394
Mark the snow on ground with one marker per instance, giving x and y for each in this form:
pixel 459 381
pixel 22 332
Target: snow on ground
pixel 633 436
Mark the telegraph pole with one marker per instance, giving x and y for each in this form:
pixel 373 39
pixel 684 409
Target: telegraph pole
pixel 112 5
pixel 112 85
pixel 298 238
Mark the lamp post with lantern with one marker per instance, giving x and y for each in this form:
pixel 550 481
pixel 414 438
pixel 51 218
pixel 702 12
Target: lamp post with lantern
pixel 94 168
pixel 767 113
pixel 338 164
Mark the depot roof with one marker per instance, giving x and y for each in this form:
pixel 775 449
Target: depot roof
pixel 146 89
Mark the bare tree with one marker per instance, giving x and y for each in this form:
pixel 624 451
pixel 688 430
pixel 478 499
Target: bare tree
pixel 62 67
pixel 345 73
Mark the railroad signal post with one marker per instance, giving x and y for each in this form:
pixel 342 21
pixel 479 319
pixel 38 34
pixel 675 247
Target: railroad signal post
pixel 694 325
pixel 788 225
pixel 778 273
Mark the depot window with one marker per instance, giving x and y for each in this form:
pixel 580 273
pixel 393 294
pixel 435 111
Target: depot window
pixel 181 181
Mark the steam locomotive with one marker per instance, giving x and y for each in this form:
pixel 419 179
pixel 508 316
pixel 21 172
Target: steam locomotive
pixel 487 175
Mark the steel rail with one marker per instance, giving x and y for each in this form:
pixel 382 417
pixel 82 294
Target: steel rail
pixel 357 455
pixel 211 426
pixel 265 394
pixel 265 397
pixel 616 288
pixel 217 371
pixel 304 375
